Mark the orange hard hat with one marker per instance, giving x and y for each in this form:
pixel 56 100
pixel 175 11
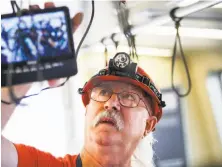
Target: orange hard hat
pixel 122 69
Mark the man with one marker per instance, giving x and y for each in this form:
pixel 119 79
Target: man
pixel 122 109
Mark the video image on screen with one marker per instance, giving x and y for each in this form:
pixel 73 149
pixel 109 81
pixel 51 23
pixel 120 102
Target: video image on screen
pixel 27 37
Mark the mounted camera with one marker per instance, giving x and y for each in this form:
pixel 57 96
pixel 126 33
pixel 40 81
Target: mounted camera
pixel 37 45
pixel 121 65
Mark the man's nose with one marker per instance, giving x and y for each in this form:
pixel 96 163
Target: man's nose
pixel 113 103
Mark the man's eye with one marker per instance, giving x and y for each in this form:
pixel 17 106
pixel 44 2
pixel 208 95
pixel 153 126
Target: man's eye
pixel 104 93
pixel 129 97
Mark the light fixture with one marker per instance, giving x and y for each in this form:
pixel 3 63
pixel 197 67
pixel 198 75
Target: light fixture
pixel 185 3
pixel 207 33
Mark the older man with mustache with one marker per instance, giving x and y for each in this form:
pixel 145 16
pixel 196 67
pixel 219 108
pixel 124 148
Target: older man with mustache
pixel 122 108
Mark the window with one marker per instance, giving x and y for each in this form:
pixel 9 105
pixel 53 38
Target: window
pixel 170 147
pixel 214 87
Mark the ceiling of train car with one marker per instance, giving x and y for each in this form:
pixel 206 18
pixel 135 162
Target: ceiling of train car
pixel 198 28
pixel 201 30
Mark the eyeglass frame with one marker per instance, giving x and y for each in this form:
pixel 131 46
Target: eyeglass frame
pixel 117 93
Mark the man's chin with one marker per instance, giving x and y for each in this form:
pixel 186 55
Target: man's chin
pixel 106 135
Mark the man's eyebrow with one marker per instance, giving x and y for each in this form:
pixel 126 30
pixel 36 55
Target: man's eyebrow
pixel 138 90
pixel 134 90
pixel 128 88
pixel 104 85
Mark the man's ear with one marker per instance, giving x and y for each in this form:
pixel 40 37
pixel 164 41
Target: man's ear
pixel 150 124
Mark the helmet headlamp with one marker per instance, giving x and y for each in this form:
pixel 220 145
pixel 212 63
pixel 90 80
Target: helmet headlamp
pixel 121 65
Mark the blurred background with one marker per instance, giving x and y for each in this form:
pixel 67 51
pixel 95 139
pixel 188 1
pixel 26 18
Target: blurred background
pixel 190 132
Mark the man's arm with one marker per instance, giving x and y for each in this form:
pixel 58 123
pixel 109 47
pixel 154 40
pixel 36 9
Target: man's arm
pixel 9 157
pixel 9 153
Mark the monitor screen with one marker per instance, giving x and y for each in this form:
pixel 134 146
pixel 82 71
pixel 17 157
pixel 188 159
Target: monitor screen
pixel 29 37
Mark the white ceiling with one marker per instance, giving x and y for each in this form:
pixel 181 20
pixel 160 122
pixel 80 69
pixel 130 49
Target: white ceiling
pixel 142 12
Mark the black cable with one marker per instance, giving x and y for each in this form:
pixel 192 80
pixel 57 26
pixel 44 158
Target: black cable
pixel 17 100
pixel 177 25
pixel 14 5
pixel 123 18
pixel 134 46
pixel 88 27
pixel 24 97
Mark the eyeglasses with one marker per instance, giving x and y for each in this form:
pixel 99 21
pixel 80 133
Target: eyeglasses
pixel 126 99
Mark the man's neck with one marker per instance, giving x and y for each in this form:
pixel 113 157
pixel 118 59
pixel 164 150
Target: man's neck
pixel 95 160
pixel 88 160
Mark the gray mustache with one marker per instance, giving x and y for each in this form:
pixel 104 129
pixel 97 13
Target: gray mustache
pixel 114 115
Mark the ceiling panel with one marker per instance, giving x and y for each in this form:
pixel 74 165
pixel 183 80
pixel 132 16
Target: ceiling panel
pixel 142 12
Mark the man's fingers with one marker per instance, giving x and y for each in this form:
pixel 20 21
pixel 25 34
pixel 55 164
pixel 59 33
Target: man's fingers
pixel 33 7
pixel 54 82
pixel 77 20
pixel 24 10
pixel 49 5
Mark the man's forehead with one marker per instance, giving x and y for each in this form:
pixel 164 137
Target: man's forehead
pixel 121 85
